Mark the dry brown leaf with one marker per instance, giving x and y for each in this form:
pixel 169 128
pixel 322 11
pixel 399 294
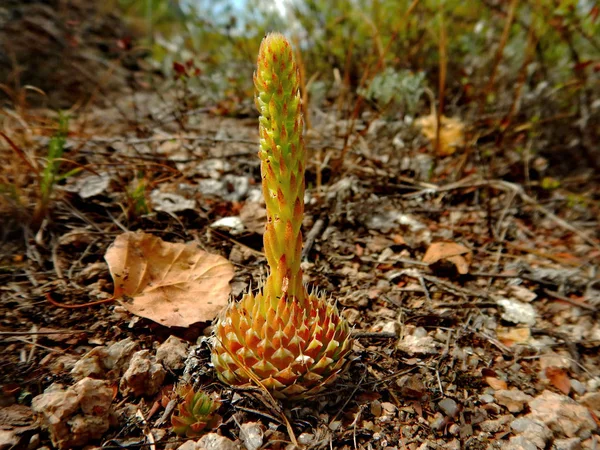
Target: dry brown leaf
pixel 513 335
pixel 457 254
pixel 559 379
pixel 175 285
pixel 398 239
pixel 461 263
pixel 452 133
pixel 496 383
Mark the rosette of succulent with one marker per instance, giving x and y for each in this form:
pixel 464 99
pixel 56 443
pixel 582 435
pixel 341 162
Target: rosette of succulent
pixel 292 342
pixel 196 413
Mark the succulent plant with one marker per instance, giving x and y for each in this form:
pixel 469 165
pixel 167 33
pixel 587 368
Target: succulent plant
pixel 196 413
pixel 291 341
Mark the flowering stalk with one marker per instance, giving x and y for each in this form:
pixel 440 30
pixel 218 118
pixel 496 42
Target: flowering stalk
pixel 283 159
pixel 290 341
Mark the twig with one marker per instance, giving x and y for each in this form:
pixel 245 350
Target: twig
pixel 374 334
pixel 499 51
pixel 311 237
pixel 546 255
pixel 259 413
pixel 85 253
pixel 424 286
pixel 158 139
pixel 27 333
pixel 355 422
pixel 234 241
pixel 558 296
pixel 34 345
pixel 437 376
pixel 507 186
pixel 465 305
pixel 358 385
pixel 82 305
pixel 167 412
pixel 56 264
pixel 571 347
pixel 146 429
pixel 449 287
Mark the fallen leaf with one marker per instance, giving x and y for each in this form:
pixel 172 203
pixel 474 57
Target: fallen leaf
pixel 378 243
pixel 491 377
pixel 457 254
pixel 496 383
pixel 461 263
pixel 368 397
pixel 413 387
pixel 443 250
pixel 90 185
pixel 522 293
pixel 513 335
pixel 452 133
pixel 398 239
pixel 559 379
pixel 170 203
pixel 175 285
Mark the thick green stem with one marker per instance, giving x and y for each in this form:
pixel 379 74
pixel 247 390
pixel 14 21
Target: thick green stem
pixel 283 160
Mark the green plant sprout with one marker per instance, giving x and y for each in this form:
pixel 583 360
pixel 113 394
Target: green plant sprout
pixel 196 413
pixel 284 338
pixel 49 176
pixel 136 197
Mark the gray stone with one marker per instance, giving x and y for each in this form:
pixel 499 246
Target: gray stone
pixel 486 398
pixel 513 399
pixel 144 375
pixel 120 353
pixel 454 444
pixel 188 445
pixel 496 425
pixel 252 435
pixel 519 443
pixel 533 430
pixel 8 439
pixel 562 415
pixel 554 360
pixel 439 422
pixel 172 353
pixel 578 387
pixel 213 441
pixel 90 365
pixel 34 442
pixel 592 401
pixel 306 438
pixel 414 345
pixel 449 407
pixel 76 415
pixel 567 444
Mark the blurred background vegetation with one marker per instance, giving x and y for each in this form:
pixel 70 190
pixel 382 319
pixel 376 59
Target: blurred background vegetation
pixel 510 79
pixel 486 43
pixel 501 63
